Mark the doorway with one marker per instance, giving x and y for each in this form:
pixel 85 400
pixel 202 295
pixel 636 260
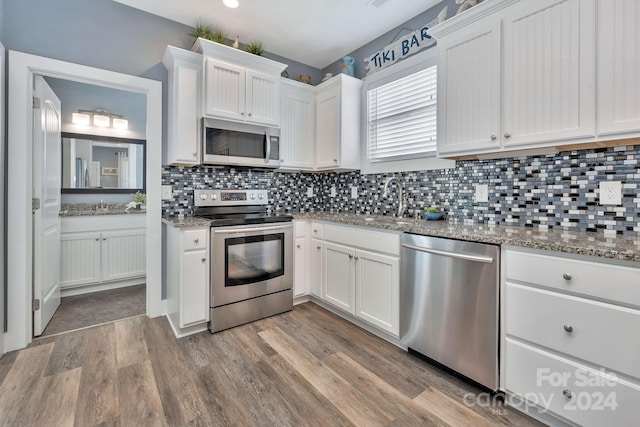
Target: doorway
pixel 22 69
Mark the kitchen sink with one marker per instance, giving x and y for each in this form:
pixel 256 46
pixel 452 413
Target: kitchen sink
pixel 403 222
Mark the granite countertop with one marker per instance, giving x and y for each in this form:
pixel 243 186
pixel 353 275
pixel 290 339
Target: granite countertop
pixel 625 248
pixel 89 209
pixel 189 222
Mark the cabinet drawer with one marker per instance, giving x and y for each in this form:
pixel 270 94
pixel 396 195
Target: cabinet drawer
pixel 595 399
pixel 593 331
pixel 194 239
pixel 615 283
pixel 300 228
pixel 317 229
pixel 363 238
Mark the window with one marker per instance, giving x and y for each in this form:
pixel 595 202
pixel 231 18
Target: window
pixel 402 118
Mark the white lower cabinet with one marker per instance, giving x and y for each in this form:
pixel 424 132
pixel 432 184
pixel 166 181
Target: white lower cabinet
pixel 361 274
pixel 98 252
pixel 187 279
pixel 301 256
pixel 570 328
pixel 315 268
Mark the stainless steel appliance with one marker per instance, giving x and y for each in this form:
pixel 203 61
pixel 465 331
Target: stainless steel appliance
pixel 449 304
pixel 251 257
pixel 240 144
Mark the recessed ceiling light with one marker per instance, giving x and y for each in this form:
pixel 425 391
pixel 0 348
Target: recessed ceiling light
pixel 231 3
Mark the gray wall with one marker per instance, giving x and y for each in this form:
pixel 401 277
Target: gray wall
pixel 402 30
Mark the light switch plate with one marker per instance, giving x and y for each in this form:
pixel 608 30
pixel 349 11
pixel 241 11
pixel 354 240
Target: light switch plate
pixel 309 191
pixel 333 191
pixel 610 193
pixel 354 192
pixel 482 193
pixel 167 192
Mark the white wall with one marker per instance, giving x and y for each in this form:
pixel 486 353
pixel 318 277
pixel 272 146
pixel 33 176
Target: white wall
pixel 3 191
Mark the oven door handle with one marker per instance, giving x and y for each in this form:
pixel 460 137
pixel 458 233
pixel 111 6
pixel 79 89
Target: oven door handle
pixel 251 230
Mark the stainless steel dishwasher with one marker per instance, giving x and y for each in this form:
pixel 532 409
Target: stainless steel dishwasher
pixel 449 304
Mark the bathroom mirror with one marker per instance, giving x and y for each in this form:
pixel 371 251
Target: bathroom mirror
pixel 102 164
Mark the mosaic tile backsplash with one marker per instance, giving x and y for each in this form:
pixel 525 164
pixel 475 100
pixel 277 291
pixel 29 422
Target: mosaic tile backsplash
pixel 547 191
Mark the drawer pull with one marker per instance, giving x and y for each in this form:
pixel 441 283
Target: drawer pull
pixel 567 276
pixel 318 247
pixel 568 328
pixel 196 240
pixel 567 393
pixel 315 230
pixel 204 259
pixel 298 246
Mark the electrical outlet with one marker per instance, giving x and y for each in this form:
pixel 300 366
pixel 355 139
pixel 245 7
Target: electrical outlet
pixel 333 191
pixel 610 193
pixel 354 192
pixel 309 191
pixel 482 193
pixel 167 192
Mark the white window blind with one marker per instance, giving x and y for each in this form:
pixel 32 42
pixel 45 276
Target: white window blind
pixel 402 118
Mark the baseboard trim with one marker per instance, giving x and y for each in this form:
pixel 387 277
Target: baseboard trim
pixel 98 287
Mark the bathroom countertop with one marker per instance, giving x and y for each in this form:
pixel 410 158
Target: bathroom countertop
pixel 626 248
pixel 89 209
pixel 189 222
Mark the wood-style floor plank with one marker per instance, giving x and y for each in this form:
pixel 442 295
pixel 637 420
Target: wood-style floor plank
pixel 339 392
pixel 180 398
pixel 55 397
pixel 67 353
pixel 450 410
pixel 131 347
pixel 98 402
pixel 20 383
pixel 139 400
pixel 392 402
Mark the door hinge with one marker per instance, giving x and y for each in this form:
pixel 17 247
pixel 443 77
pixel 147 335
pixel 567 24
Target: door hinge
pixel 36 102
pixel 36 305
pixel 35 203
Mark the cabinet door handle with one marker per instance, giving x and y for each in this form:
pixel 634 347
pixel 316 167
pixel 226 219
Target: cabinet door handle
pixel 315 230
pixel 196 240
pixel 493 137
pixel 195 154
pixel 568 328
pixel 298 246
pixel 97 239
pixel 242 114
pixel 357 258
pixel 567 276
pixel 281 160
pixel 249 114
pixel 204 259
pixel 335 160
pixel 318 247
pixel 507 135
pixel 350 256
pixel 104 238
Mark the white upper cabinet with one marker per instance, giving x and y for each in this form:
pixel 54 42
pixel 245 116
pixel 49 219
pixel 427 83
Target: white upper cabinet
pixel 240 86
pixel 338 116
pixel 517 75
pixel 549 71
pixel 469 90
pixel 184 82
pixel 618 67
pixel 297 125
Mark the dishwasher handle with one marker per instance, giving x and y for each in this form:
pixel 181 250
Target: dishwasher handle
pixel 467 257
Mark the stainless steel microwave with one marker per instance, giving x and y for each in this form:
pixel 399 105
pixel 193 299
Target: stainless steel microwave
pixel 240 144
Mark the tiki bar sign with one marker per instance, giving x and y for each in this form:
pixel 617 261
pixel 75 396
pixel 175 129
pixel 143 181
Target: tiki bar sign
pixel 400 49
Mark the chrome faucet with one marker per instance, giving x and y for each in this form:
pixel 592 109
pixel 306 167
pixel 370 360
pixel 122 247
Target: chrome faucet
pixel 401 197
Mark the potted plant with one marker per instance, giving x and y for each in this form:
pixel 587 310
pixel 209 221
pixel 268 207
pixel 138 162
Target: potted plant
pixel 140 199
pixel 432 213
pixel 206 32
pixel 255 47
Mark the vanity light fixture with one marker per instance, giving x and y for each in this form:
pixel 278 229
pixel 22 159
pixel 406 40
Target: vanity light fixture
pixel 231 3
pixel 99 118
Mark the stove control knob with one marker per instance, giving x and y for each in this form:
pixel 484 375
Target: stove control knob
pixel 214 196
pixel 253 196
pixel 260 196
pixel 203 196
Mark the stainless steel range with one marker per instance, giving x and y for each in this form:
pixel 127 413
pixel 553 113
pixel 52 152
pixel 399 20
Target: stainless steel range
pixel 251 256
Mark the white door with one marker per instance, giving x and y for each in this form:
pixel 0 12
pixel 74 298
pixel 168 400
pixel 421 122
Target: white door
pixel 225 86
pixel 338 276
pixel 262 98
pixel 46 219
pixel 328 128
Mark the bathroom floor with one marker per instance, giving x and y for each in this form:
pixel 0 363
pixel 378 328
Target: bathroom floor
pixel 80 311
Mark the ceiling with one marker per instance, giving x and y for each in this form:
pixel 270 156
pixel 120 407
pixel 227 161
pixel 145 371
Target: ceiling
pixel 315 33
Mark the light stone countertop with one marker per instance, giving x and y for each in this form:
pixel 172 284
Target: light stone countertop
pixel 625 248
pixel 89 209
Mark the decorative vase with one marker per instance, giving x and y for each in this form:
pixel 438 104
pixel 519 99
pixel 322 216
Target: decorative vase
pixel 432 216
pixel 347 66
pixel 327 76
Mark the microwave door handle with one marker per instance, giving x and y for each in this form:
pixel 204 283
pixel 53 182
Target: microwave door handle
pixel 268 150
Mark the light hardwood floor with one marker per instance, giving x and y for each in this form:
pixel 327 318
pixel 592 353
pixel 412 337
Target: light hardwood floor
pixel 307 367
